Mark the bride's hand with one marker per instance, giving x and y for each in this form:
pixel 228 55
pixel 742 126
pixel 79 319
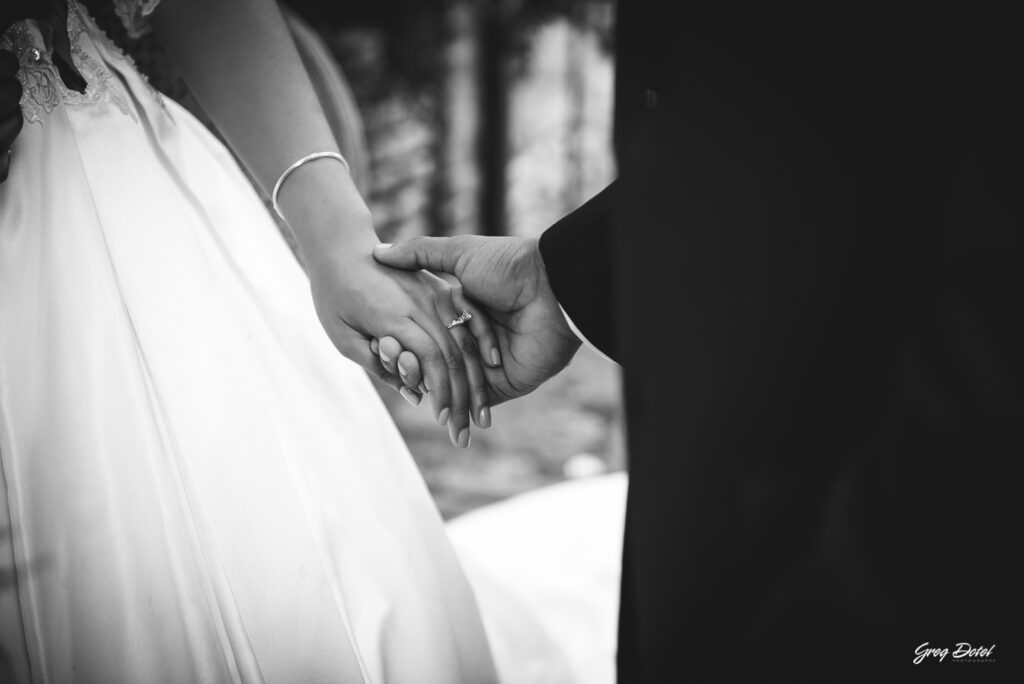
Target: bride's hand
pixel 476 338
pixel 357 299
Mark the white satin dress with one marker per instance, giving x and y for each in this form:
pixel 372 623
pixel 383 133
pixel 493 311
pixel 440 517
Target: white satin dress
pixel 196 487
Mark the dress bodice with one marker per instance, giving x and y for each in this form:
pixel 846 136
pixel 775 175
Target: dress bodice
pixel 95 56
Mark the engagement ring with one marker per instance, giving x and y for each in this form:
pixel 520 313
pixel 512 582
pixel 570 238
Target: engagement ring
pixel 463 317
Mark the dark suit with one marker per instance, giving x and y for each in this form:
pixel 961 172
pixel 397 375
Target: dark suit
pixel 810 269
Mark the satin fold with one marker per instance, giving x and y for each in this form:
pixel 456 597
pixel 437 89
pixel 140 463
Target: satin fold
pixel 196 486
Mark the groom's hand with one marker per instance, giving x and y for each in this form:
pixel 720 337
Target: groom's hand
pixel 505 276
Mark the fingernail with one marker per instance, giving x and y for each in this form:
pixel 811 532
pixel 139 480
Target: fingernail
pixel 485 417
pixel 464 438
pixel 385 245
pixel 374 345
pixel 423 387
pixel 410 396
pixel 495 357
pixel 384 357
pixel 442 417
pixel 401 370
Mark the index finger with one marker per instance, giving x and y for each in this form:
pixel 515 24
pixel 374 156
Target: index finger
pixel 432 253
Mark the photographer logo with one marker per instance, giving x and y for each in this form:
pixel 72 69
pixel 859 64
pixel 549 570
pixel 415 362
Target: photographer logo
pixel 963 652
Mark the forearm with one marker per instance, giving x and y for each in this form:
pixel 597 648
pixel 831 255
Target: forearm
pixel 239 59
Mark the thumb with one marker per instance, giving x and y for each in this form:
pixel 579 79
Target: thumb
pixel 432 253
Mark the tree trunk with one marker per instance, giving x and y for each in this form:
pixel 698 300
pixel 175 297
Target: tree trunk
pixel 494 116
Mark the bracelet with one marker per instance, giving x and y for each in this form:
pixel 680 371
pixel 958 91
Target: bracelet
pixel 297 164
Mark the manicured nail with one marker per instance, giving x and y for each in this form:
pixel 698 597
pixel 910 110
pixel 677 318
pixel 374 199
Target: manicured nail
pixel 384 358
pixel 401 370
pixel 423 387
pixel 463 438
pixel 374 345
pixel 442 417
pixel 385 245
pixel 495 357
pixel 485 417
pixel 410 396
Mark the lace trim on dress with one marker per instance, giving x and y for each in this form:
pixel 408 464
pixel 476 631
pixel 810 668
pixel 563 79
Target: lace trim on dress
pixel 134 14
pixel 43 89
pixel 100 36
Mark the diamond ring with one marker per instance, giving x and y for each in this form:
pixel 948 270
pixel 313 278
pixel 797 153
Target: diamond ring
pixel 464 316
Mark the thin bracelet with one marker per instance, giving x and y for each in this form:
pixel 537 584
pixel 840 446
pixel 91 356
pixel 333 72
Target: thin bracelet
pixel 300 162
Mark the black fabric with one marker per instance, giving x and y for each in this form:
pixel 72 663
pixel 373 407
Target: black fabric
pixel 814 253
pixel 579 265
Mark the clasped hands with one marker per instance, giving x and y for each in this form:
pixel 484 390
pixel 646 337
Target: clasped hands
pixel 393 314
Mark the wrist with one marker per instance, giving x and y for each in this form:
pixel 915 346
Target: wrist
pixel 542 284
pixel 564 325
pixel 325 213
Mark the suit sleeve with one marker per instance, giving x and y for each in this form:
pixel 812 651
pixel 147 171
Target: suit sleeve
pixel 577 257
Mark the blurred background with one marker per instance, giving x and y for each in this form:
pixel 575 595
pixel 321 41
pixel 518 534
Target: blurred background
pixel 468 116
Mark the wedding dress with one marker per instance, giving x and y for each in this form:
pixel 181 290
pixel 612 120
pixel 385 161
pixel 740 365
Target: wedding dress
pixel 196 486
